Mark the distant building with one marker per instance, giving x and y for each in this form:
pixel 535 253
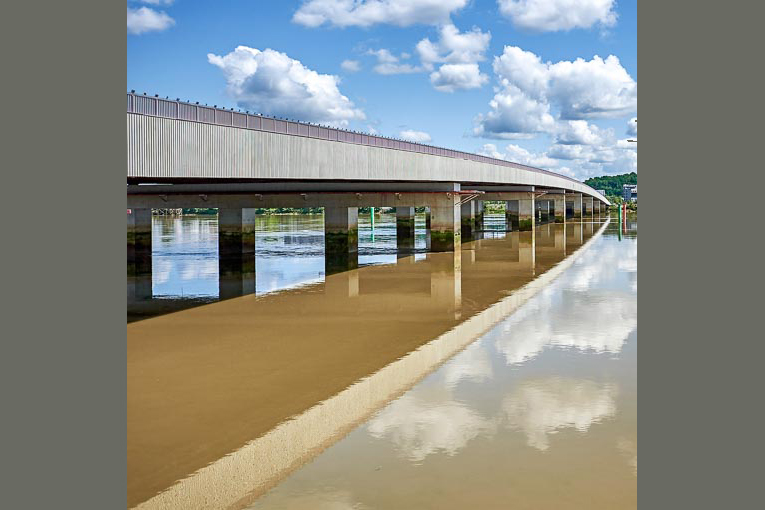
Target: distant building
pixel 629 192
pixel 601 191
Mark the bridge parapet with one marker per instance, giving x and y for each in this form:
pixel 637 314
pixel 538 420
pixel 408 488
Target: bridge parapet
pixel 193 112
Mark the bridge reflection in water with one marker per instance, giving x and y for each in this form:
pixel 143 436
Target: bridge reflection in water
pixel 225 399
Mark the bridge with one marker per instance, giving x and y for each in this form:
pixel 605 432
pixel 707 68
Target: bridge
pixel 182 154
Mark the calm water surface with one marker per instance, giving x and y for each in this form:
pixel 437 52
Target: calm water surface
pixel 538 412
pixel 541 412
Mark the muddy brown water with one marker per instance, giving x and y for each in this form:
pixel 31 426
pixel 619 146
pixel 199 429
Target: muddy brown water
pixel 539 412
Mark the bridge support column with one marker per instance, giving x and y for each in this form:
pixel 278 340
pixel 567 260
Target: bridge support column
pixel 543 207
pixel 468 221
pixel 512 215
pixel 569 198
pixel 559 207
pixel 587 207
pixel 236 252
pixel 577 206
pixel 139 242
pixel 405 229
pixel 427 228
pixel 445 227
pixel 341 239
pixel 478 215
pixel 520 213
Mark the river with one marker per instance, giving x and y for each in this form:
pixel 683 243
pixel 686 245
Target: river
pixel 500 377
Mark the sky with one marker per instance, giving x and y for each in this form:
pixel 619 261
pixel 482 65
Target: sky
pixel 547 83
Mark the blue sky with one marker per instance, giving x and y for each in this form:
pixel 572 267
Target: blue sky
pixel 551 83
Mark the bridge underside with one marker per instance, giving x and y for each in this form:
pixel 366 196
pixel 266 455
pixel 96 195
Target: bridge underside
pixel 454 214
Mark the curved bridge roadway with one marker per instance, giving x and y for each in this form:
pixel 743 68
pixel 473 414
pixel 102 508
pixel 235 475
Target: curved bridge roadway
pixel 187 155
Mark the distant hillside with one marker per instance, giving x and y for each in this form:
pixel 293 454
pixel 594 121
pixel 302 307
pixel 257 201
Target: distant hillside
pixel 612 183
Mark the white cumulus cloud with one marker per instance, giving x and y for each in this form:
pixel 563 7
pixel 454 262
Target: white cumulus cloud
pixel 144 20
pixel 459 53
pixel 581 132
pixel 529 91
pixel 518 154
pixel 632 126
pixel 555 15
pixel 388 63
pixel 351 66
pixel 454 47
pixel 415 136
pixel 451 77
pixel 514 115
pixel 272 83
pixel 365 13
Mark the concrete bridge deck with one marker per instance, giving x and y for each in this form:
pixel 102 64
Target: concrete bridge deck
pixel 187 155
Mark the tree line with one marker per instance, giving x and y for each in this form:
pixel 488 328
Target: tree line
pixel 612 184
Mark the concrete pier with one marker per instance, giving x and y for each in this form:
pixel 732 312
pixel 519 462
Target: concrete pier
pixel 427 228
pixel 236 252
pixel 520 210
pixel 577 206
pixel 543 207
pixel 405 229
pixel 139 242
pixel 468 221
pixel 569 198
pixel 587 207
pixel 479 226
pixel 559 207
pixel 341 239
pixel 445 223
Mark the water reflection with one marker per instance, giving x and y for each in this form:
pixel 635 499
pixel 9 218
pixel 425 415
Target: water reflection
pixel 546 399
pixel 367 334
pixel 540 407
pixel 421 424
pixel 290 253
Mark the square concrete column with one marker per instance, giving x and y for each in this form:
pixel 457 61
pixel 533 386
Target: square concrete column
pixel 478 215
pixel 445 223
pixel 139 242
pixel 569 206
pixel 236 252
pixel 341 239
pixel 427 228
pixel 468 221
pixel 543 208
pixel 587 207
pixel 512 216
pixel 577 206
pixel 405 229
pixel 559 207
pixel 526 210
pixel 521 211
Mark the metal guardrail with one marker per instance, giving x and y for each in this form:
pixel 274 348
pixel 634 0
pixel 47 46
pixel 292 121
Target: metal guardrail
pixel 170 109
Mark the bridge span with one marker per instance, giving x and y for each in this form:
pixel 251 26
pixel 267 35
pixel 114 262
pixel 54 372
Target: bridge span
pixel 181 154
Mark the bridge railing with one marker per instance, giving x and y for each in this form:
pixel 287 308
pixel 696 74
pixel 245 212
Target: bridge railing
pixel 168 108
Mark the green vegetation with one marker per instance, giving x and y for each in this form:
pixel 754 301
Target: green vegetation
pixel 291 210
pixel 612 184
pixel 493 207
